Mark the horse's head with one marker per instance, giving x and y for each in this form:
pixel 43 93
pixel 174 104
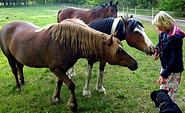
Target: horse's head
pixel 136 36
pixel 111 10
pixel 116 55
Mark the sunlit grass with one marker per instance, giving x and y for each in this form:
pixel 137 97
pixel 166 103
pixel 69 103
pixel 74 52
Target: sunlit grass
pixel 127 91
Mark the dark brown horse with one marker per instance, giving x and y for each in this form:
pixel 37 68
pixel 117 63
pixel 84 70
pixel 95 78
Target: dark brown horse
pixel 102 11
pixel 58 47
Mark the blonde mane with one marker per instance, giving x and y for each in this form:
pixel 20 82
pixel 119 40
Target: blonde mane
pixel 81 39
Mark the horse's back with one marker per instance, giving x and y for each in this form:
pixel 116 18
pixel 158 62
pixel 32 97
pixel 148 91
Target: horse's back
pixel 70 12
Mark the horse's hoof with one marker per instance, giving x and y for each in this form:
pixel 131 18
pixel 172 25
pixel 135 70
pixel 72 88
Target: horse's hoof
pixel 22 82
pixel 56 99
pixel 87 93
pixel 19 89
pixel 73 106
pixel 101 90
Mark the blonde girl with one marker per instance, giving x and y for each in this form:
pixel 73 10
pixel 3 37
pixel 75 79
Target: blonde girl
pixel 169 50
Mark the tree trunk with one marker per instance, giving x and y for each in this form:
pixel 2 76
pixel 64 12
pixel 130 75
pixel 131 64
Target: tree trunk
pixel 24 2
pixel 15 2
pixel 8 2
pixel 4 2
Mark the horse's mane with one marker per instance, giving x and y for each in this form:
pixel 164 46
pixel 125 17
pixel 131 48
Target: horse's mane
pixel 133 23
pixel 102 6
pixel 81 39
pixel 105 25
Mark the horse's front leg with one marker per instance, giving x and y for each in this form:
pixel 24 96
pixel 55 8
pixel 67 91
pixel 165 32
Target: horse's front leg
pixel 99 83
pixel 86 90
pixel 63 77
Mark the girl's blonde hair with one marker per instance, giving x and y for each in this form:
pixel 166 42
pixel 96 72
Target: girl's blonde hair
pixel 163 19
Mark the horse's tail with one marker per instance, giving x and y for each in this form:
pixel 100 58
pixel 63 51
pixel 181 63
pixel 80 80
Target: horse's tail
pixel 58 15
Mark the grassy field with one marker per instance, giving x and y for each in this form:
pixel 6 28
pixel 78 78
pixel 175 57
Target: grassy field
pixel 127 91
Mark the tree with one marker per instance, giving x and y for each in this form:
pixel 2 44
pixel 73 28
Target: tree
pixel 147 3
pixel 172 5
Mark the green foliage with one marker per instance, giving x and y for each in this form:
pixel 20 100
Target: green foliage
pixel 40 1
pixel 97 2
pixel 127 91
pixel 147 3
pixel 172 5
pixel 90 2
pixel 167 5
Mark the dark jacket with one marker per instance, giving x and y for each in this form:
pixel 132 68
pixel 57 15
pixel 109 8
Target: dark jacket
pixel 169 49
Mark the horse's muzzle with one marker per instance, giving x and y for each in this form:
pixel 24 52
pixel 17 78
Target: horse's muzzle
pixel 150 51
pixel 134 66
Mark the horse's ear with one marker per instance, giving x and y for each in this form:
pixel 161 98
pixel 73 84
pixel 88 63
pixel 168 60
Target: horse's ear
pixel 115 33
pixel 117 3
pixel 110 3
pixel 131 16
pixel 125 21
pixel 109 41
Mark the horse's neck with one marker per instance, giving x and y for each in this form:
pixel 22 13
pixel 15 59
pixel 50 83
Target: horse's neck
pixel 96 56
pixel 94 50
pixel 110 26
pixel 103 25
pixel 98 13
pixel 121 34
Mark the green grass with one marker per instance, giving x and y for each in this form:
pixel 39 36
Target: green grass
pixel 127 91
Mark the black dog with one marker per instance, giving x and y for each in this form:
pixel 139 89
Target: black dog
pixel 164 102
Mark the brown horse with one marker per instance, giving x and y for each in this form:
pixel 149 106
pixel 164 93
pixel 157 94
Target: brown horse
pixel 102 11
pixel 131 30
pixel 58 47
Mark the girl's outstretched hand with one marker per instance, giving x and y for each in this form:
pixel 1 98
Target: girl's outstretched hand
pixel 160 80
pixel 155 56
